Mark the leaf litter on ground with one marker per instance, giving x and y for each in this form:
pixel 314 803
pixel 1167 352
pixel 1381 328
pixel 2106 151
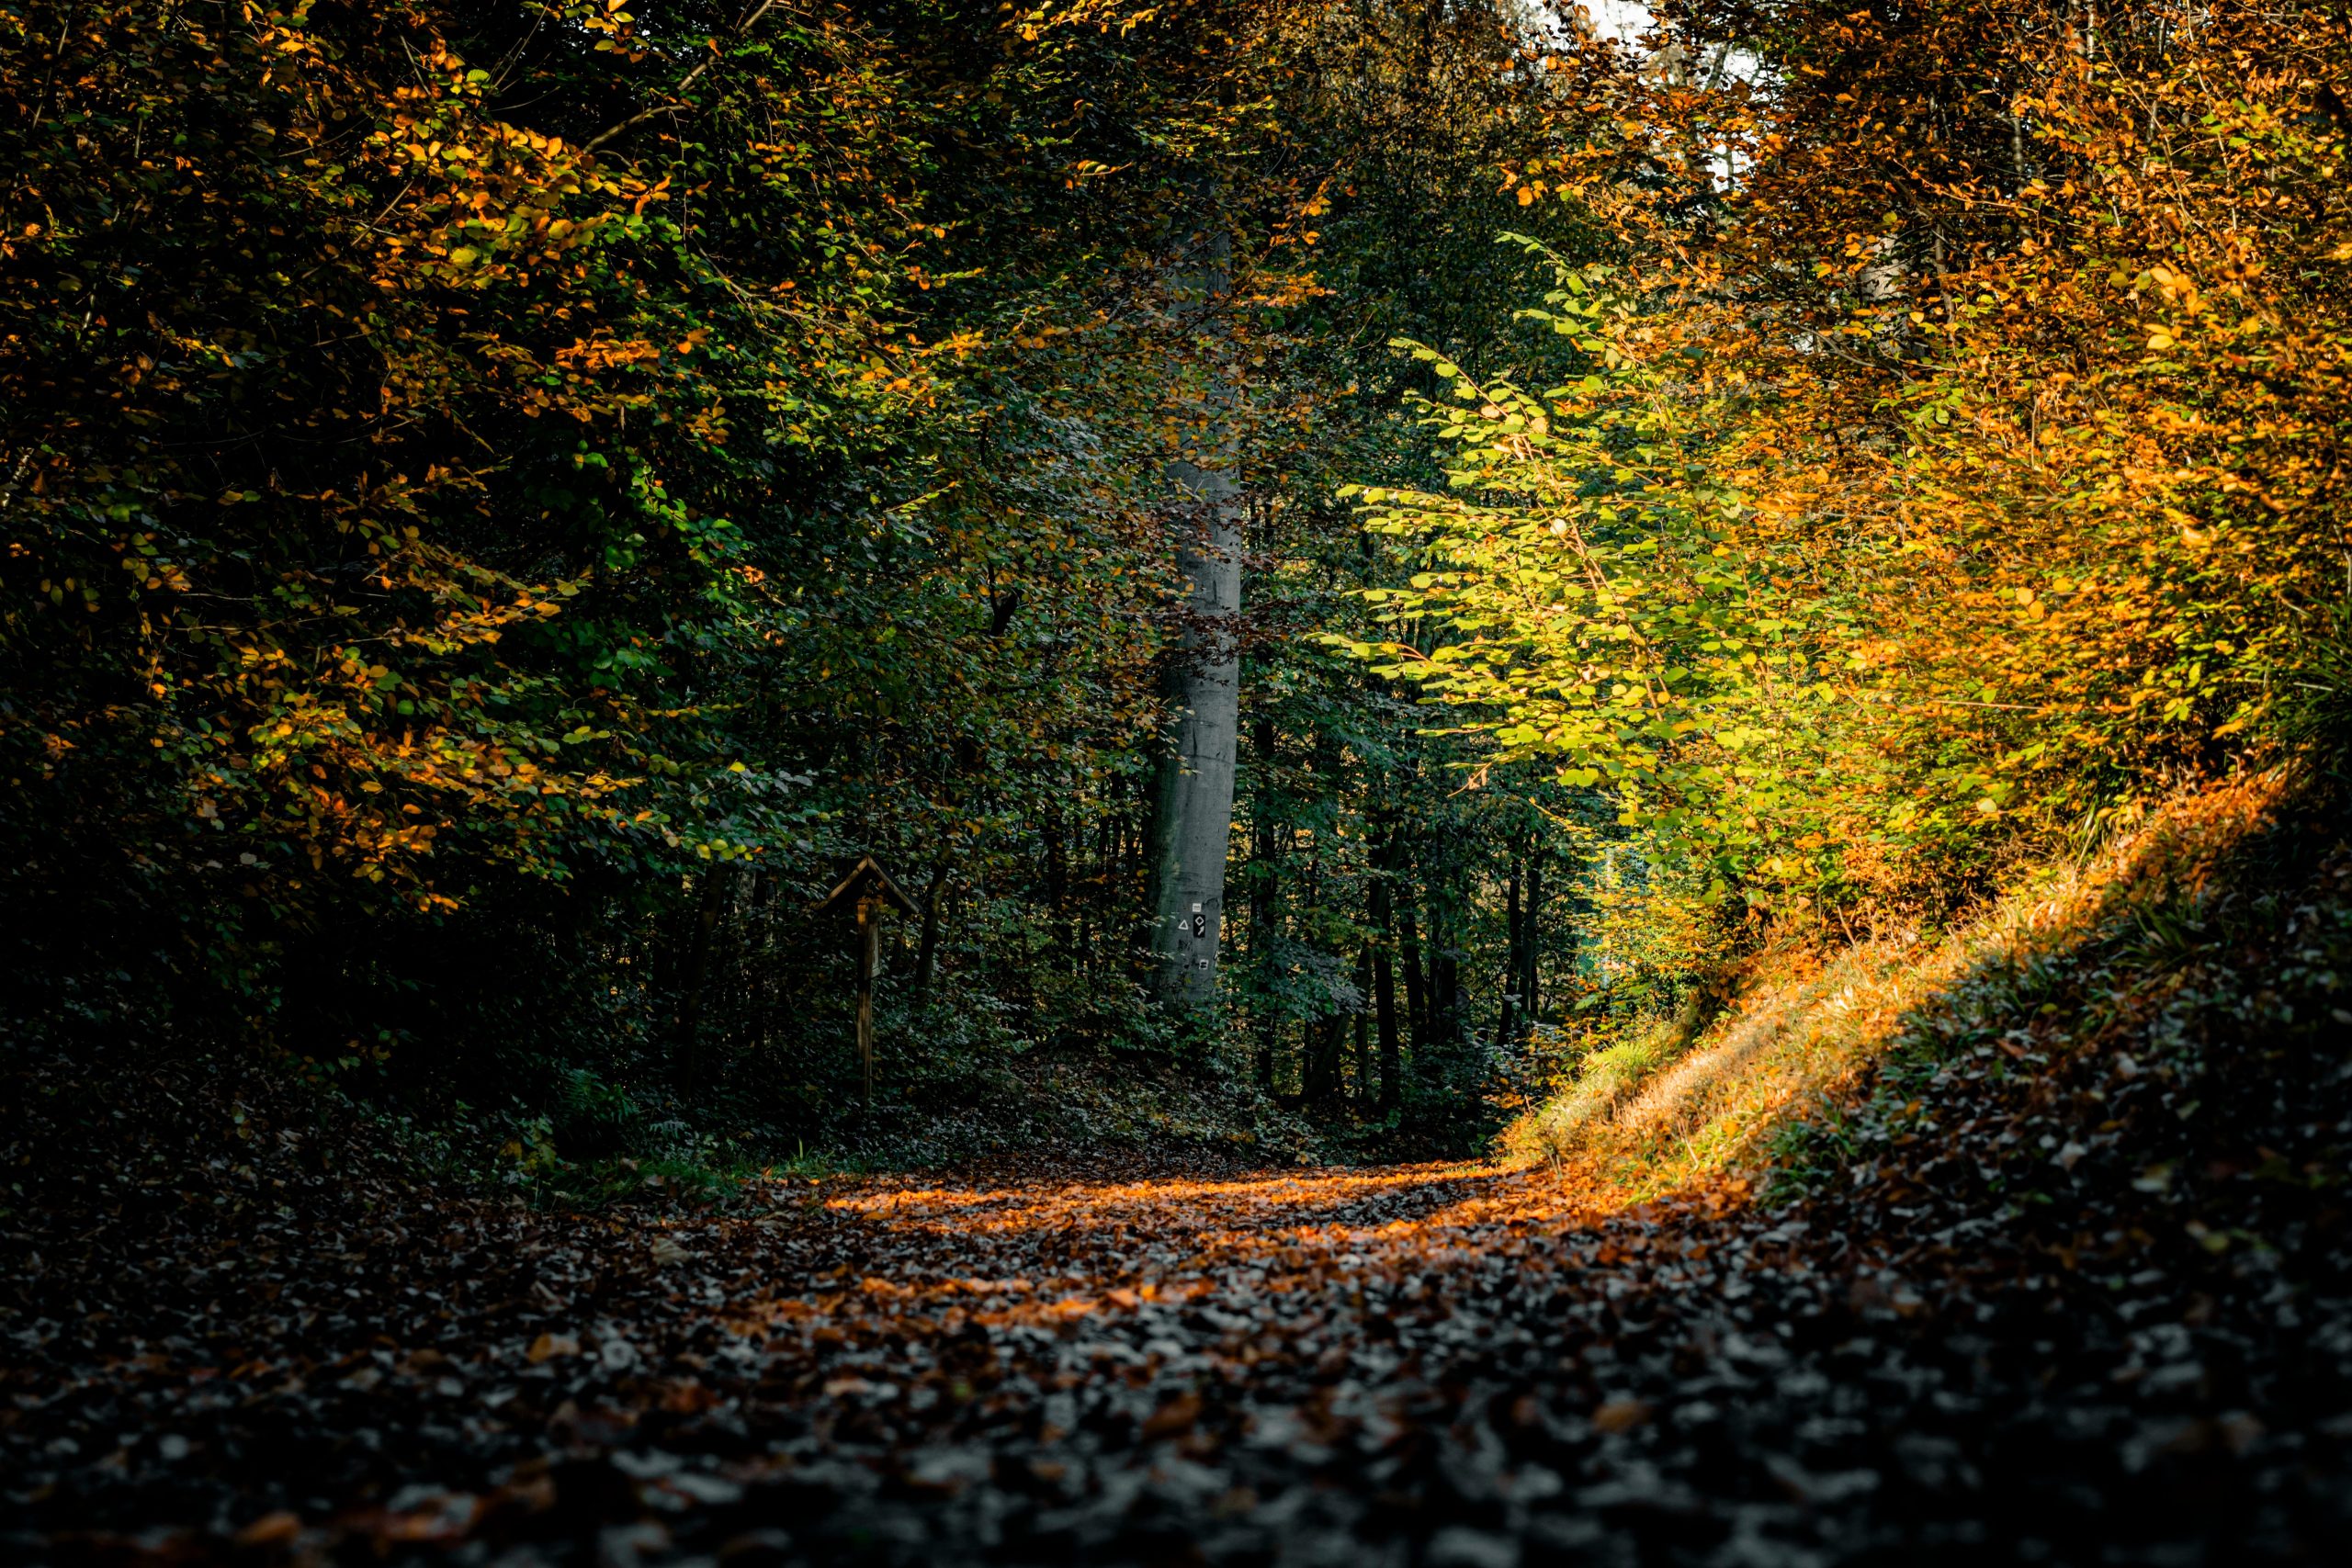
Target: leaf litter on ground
pixel 2074 1292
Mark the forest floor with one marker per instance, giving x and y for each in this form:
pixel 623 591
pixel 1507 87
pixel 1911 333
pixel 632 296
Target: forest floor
pixel 2070 1282
pixel 1458 1367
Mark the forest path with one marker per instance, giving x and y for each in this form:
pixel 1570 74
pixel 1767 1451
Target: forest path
pixel 1162 1231
pixel 1458 1366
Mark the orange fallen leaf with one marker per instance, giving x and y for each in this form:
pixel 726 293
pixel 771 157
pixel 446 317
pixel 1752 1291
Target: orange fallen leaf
pixel 1621 1414
pixel 271 1530
pixel 1177 1415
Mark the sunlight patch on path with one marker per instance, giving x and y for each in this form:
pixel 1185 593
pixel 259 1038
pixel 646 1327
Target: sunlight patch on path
pixel 1042 1253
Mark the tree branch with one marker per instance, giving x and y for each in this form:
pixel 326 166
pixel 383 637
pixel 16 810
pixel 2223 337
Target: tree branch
pixel 624 127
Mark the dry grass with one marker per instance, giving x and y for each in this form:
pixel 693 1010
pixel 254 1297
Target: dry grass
pixel 1811 1025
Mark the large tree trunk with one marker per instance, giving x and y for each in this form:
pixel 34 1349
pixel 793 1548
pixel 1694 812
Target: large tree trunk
pixel 1193 812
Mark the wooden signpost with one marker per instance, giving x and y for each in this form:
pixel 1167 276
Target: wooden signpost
pixel 869 891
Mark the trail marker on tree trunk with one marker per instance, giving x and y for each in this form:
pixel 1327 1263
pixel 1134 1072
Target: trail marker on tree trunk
pixel 868 891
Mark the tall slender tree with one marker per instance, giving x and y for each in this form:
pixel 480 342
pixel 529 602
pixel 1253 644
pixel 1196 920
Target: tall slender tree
pixel 1193 814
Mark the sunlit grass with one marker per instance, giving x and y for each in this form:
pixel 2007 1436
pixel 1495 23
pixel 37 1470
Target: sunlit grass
pixel 1640 1122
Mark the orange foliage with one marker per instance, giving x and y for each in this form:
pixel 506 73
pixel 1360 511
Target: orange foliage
pixel 2027 340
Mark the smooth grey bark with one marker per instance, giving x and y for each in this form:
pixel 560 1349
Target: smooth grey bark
pixel 1193 806
pixel 1194 811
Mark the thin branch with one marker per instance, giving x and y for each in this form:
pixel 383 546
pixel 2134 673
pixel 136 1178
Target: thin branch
pixel 691 77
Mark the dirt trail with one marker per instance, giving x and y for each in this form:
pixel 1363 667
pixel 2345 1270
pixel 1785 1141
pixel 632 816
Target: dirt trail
pixel 2072 1283
pixel 1455 1366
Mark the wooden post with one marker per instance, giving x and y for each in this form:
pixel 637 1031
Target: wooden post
pixel 869 949
pixel 868 892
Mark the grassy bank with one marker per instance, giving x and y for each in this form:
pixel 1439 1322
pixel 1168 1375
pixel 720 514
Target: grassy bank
pixel 1773 1088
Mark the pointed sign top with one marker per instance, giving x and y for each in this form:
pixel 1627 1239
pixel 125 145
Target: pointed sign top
pixel 866 879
